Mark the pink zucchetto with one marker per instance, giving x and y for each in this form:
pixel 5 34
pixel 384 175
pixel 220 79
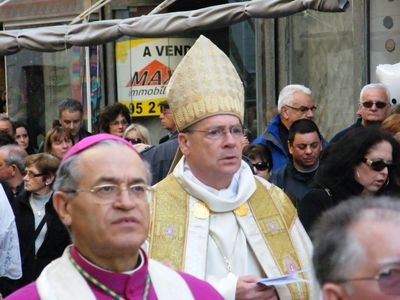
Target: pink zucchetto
pixel 92 140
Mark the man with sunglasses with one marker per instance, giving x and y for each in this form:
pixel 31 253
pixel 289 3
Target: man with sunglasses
pixel 372 110
pixel 305 146
pixel 357 250
pixel 295 102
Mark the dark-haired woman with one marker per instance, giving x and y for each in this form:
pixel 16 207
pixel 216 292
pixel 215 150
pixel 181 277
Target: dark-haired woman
pixel 259 158
pixel 361 163
pixel 115 119
pixel 22 137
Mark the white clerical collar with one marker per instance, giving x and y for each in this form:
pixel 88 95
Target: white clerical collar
pixel 228 192
pixel 240 189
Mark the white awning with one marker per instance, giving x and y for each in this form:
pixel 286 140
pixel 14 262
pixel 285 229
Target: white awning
pixel 57 38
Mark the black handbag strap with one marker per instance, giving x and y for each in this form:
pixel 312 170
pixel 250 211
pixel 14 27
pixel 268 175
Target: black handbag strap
pixel 34 237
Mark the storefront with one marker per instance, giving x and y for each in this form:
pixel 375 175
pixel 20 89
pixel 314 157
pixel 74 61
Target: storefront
pixel 35 82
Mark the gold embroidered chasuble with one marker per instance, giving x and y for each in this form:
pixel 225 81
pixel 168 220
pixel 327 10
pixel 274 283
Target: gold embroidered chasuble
pixel 274 217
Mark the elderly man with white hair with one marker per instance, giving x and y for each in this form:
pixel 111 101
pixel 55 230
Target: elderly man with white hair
pixel 295 102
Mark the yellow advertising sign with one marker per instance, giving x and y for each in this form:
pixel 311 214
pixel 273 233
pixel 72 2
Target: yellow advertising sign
pixel 144 67
pixel 142 108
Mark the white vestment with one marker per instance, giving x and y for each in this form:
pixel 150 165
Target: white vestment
pixel 204 256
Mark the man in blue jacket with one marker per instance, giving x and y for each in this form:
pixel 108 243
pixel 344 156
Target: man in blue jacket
pixel 294 102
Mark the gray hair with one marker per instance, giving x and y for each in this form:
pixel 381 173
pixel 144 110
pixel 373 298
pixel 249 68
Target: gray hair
pixel 70 105
pixel 371 86
pixel 6 118
pixel 69 173
pixel 15 155
pixel 286 95
pixel 336 250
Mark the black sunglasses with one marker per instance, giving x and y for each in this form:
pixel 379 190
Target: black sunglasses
pixel 378 104
pixel 261 166
pixel 388 281
pixel 134 140
pixel 377 165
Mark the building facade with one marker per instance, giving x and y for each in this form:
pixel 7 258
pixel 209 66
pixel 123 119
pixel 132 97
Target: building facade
pixel 334 54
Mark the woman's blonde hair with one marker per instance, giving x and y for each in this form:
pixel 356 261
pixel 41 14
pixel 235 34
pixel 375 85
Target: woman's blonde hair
pixel 142 131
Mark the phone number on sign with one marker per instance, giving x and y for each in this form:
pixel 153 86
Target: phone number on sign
pixel 144 108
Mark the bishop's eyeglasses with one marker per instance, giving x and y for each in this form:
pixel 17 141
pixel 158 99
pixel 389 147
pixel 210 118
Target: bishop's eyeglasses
pixel 108 193
pixel 215 133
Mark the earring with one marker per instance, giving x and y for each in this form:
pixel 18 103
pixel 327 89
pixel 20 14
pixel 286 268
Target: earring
pixel 358 174
pixel 387 182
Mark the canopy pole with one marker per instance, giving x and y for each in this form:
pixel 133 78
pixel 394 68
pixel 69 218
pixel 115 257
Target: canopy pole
pixel 161 6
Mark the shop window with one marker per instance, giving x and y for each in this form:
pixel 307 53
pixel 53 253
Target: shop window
pixel 37 82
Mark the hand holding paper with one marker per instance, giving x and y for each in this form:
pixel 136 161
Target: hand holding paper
pixel 285 279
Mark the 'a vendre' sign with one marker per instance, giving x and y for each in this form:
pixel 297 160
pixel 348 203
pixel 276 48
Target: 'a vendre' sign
pixel 144 67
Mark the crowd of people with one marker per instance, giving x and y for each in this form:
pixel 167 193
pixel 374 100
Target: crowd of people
pixel 203 213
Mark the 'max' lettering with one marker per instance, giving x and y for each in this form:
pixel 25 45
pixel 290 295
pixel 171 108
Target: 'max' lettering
pixel 146 78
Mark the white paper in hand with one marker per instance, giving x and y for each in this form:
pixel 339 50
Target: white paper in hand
pixel 285 279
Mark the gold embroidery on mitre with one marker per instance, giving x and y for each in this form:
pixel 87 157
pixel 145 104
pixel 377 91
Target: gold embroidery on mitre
pixel 204 84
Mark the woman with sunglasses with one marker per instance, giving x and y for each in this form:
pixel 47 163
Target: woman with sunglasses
pixel 137 134
pixel 363 163
pixel 259 158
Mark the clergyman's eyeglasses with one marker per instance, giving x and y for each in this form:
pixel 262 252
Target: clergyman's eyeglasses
pixel 218 132
pixel 388 280
pixel 108 193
